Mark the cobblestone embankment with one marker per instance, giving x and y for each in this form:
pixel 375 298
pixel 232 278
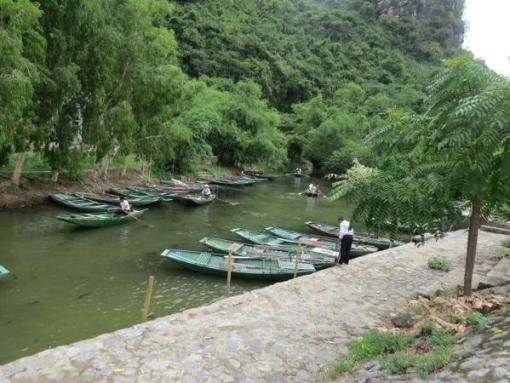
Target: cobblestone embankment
pixel 282 333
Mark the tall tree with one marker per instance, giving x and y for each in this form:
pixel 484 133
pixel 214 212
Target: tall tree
pixel 23 50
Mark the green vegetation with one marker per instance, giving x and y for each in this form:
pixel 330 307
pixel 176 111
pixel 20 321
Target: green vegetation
pixel 428 351
pixel 253 84
pixel 439 263
pixel 457 149
pixel 477 320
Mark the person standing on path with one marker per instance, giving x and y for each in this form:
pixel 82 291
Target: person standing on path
pixel 345 236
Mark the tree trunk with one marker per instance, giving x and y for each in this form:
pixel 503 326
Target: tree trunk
pixel 18 170
pixel 106 167
pixel 123 171
pixel 474 225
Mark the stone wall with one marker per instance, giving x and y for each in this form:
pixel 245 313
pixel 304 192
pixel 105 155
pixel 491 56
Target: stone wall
pixel 282 333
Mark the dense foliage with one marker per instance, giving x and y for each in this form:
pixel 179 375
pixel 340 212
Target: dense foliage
pixel 250 82
pixel 457 150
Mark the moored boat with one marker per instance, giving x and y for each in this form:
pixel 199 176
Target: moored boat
pixel 380 242
pixel 319 260
pixel 115 199
pixel 310 194
pixel 137 193
pixel 242 267
pixel 101 219
pixel 3 271
pixel 82 204
pixel 357 249
pixel 269 240
pixel 195 199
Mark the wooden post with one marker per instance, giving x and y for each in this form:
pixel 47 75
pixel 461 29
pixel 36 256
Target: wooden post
pixel 229 271
pixel 148 298
pixel 298 259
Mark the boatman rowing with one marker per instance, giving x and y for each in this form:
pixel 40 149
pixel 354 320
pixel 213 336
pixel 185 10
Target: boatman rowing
pixel 125 207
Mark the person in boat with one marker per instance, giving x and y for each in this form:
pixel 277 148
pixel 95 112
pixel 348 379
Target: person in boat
pixel 311 189
pixel 125 207
pixel 345 236
pixel 317 189
pixel 299 171
pixel 206 192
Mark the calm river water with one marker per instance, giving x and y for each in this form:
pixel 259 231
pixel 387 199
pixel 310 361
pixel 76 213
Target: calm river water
pixel 69 284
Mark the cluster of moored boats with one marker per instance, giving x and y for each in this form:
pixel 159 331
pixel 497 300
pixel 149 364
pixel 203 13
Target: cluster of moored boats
pixel 102 209
pixel 276 254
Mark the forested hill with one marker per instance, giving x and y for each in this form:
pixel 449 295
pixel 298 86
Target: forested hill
pixel 252 82
pixel 296 49
pixel 335 68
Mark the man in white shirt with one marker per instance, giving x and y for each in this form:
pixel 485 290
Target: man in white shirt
pixel 345 235
pixel 125 207
pixel 206 192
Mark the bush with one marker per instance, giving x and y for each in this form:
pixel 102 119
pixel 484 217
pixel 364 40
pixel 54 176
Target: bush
pixel 477 320
pixel 439 263
pixel 398 363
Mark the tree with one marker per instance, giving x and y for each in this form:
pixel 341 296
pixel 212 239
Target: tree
pixel 458 150
pixel 22 49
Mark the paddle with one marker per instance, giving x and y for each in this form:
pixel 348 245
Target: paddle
pixel 141 222
pixel 230 203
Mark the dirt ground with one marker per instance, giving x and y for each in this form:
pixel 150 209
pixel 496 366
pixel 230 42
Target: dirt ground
pixel 34 190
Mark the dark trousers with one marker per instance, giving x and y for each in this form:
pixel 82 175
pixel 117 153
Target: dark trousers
pixel 345 249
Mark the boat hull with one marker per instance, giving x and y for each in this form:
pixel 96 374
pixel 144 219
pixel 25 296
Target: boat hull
pixel 100 220
pixel 380 243
pixel 216 264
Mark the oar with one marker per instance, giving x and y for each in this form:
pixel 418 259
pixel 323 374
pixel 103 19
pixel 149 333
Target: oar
pixel 230 203
pixel 141 222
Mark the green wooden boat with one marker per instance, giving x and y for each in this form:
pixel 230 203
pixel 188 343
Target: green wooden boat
pixel 83 204
pixel 3 271
pixel 132 193
pixel 319 261
pixel 165 196
pixel 101 219
pixel 115 200
pixel 230 181
pixel 269 240
pixel 191 186
pixel 380 242
pixel 357 249
pixel 195 199
pixel 246 268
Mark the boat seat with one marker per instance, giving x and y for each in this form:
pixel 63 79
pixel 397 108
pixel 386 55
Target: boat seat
pixel 203 258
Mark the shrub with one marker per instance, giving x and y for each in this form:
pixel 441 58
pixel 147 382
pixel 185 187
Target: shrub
pixel 439 263
pixel 477 320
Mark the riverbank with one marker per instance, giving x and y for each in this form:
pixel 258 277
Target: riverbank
pixel 35 190
pixel 285 332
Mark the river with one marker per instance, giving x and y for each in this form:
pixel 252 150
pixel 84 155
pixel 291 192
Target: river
pixel 69 284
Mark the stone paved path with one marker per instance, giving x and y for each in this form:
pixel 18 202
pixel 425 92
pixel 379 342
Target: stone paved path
pixel 282 333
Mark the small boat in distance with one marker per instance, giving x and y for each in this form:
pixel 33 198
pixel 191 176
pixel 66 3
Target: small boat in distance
pixel 195 199
pixel 242 267
pixel 101 219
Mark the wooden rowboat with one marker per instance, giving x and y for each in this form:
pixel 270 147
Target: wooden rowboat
pixel 82 204
pixel 3 271
pixel 380 242
pixel 101 219
pixel 325 242
pixel 131 193
pixel 269 240
pixel 246 268
pixel 320 261
pixel 195 199
pixel 115 200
